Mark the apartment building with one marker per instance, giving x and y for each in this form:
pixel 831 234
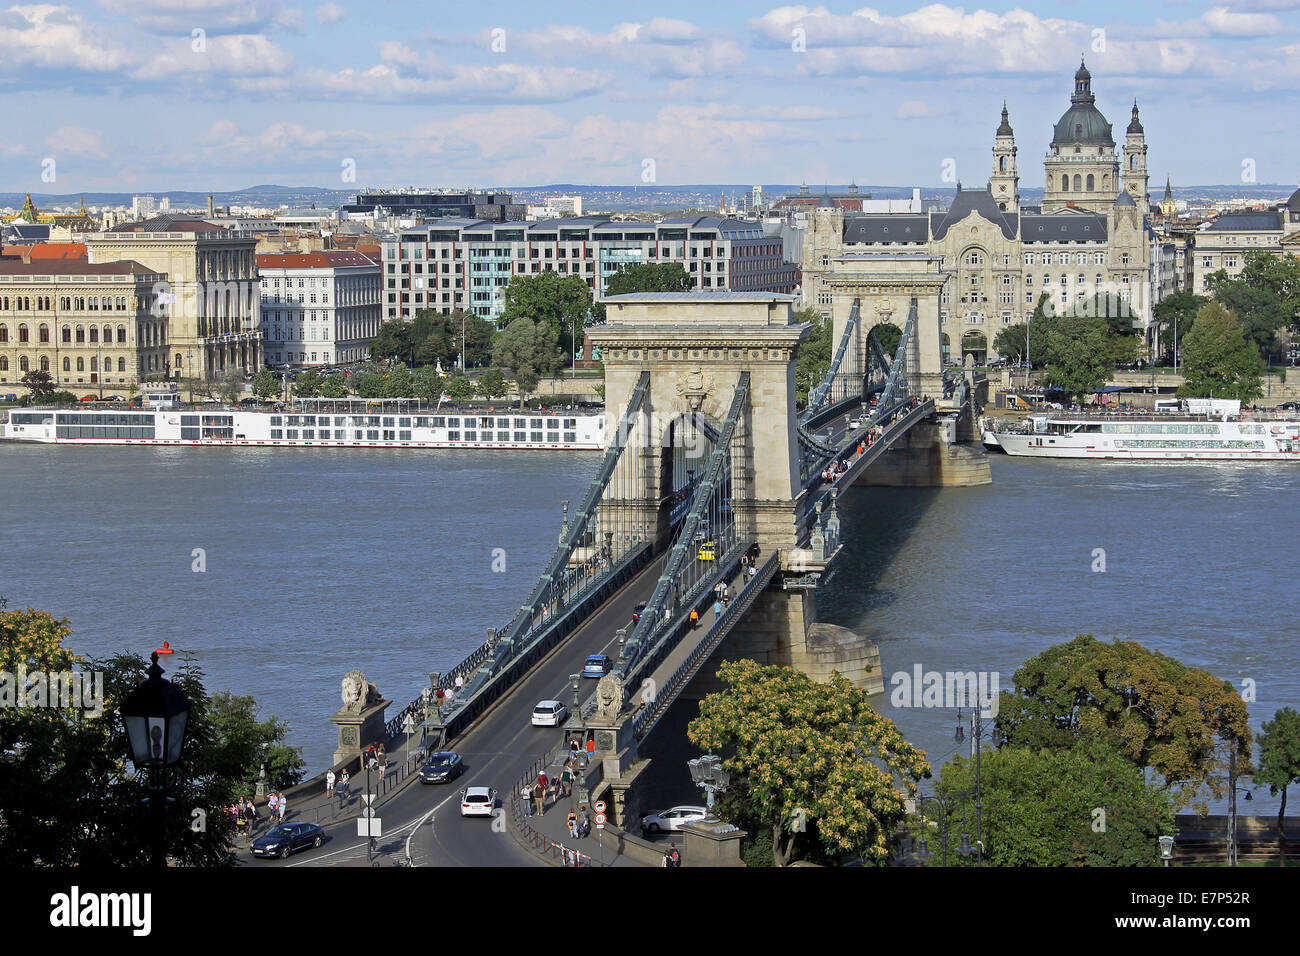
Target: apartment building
pixel 318 308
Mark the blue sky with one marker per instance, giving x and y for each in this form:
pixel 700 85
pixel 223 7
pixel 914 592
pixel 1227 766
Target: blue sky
pixel 125 95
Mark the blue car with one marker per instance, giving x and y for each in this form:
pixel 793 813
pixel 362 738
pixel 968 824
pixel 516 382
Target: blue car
pixel 598 665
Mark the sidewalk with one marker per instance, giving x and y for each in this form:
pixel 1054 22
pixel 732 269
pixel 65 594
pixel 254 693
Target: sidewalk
pixel 548 835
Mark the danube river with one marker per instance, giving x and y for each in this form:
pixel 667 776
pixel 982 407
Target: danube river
pixel 283 569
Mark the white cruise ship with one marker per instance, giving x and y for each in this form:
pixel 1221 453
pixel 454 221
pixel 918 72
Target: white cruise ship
pixel 1178 436
pixel 314 423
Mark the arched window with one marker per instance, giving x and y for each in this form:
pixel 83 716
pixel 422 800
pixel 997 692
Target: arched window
pixel 121 333
pixel 1133 161
pixel 45 363
pixel 23 365
pixel 81 364
pixel 4 333
pixel 1105 181
pixel 94 363
pixel 1078 183
pixel 94 333
pixel 178 361
pixel 108 332
pixel 66 333
pixel 81 333
pixel 22 333
pixel 67 364
pixel 121 365
pixel 1065 184
pixel 1002 164
pixel 65 302
pixel 44 333
pixel 4 363
pixel 1091 183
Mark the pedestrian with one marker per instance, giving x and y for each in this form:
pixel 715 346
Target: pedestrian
pixel 591 747
pixel 460 682
pixel 574 747
pixel 572 820
pixel 584 826
pixel 284 807
pixel 674 858
pixel 329 783
pixel 717 610
pixel 272 802
pixel 539 798
pixel 526 795
pixel 343 780
pixel 695 617
pixel 566 780
pixel 542 779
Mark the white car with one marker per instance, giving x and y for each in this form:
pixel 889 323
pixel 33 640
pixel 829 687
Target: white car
pixel 550 713
pixel 477 802
pixel 855 424
pixel 673 819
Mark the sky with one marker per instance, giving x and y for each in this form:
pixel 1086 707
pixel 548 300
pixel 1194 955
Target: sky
pixel 154 95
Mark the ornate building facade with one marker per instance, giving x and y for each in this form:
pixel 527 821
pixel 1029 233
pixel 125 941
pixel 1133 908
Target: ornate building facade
pixel 1089 237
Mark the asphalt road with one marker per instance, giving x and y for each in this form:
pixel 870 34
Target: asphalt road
pixel 496 751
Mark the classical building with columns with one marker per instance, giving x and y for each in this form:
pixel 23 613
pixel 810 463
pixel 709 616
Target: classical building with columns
pixel 210 291
pixel 1090 236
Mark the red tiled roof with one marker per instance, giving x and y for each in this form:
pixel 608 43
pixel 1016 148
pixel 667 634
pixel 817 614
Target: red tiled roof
pixel 80 267
pixel 312 260
pixel 48 250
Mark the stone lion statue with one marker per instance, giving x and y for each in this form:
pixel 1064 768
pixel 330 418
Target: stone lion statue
pixel 609 696
pixel 358 692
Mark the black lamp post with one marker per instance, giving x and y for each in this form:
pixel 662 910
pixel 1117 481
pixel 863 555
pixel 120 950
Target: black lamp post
pixel 155 715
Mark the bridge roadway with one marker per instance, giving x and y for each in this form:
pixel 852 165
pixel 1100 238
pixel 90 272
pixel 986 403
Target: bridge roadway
pixel 503 744
pixel 497 750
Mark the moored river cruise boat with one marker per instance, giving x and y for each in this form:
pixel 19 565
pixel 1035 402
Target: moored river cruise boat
pixel 1218 432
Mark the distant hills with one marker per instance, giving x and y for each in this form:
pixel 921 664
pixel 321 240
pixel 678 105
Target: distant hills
pixel 644 196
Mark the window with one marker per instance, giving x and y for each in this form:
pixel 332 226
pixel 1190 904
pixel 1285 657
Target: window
pixel 44 332
pixel 22 333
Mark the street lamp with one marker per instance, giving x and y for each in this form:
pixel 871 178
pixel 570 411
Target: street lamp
pixel 155 716
pixel 977 736
pixel 708 772
pixel 1166 849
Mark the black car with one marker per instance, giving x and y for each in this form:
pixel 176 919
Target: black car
pixel 284 839
pixel 636 611
pixel 442 767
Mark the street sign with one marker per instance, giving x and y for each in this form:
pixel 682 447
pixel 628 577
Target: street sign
pixel 600 821
pixel 370 827
pixel 600 806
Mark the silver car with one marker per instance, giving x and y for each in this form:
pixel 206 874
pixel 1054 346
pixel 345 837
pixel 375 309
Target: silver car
pixel 673 819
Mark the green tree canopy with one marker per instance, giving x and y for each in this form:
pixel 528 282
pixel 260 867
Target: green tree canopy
pixel 528 349
pixel 308 384
pixel 436 337
pixel 393 340
pixel 1158 712
pixel 649 277
pixel 231 384
pixel 815 353
pixel 426 384
pixel 398 382
pixel 1219 361
pixel 1175 314
pixel 334 386
pixel 459 389
pixel 39 383
pixel 265 385
pixel 1265 295
pixel 1077 353
pixel 1010 342
pixel 1279 761
pixel 1085 805
pixel 558 302
pixel 810 757
pixel 888 335
pixel 492 384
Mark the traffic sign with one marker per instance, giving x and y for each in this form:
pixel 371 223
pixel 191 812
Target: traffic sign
pixel 369 827
pixel 600 806
pixel 600 821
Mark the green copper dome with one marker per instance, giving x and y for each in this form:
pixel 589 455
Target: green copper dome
pixel 1082 124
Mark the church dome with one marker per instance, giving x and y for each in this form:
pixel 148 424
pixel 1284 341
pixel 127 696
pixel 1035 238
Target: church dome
pixel 1082 124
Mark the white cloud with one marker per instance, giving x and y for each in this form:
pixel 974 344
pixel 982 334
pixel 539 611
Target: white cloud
pixel 212 16
pixel 78 141
pixel 51 37
pixel 660 47
pixel 330 13
pixel 234 55
pixel 912 109
pixel 1223 22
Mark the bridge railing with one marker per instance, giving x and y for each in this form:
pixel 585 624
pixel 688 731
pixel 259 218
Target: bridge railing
pixel 817 398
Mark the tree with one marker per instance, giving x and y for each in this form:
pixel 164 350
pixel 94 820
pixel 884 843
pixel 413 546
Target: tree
pixel 1218 359
pixel 1175 313
pixel 492 384
pixel 810 757
pixel 426 384
pixel 1010 342
pixel 1077 354
pixel 650 277
pixel 248 744
pixel 40 383
pixel 265 385
pixel 558 302
pixel 1086 805
pixel 1265 295
pixel 459 389
pixel 528 349
pixel 1158 712
pixel 398 382
pixel 334 386
pixel 815 353
pixel 393 340
pixel 308 383
pixel 231 384
pixel 888 335
pixel 367 380
pixel 1279 762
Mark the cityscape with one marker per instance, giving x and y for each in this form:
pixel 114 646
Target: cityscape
pixel 771 437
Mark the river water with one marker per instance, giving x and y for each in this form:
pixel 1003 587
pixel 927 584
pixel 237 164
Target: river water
pixel 317 561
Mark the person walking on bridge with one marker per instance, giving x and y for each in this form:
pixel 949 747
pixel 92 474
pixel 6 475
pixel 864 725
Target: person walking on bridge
pixel 695 618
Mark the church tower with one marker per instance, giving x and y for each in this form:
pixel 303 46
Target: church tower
pixel 1005 181
pixel 1167 207
pixel 1135 163
pixel 1081 168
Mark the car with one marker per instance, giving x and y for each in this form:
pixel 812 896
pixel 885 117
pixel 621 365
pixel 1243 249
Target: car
pixel 636 611
pixel 285 838
pixel 673 819
pixel 115 399
pixel 597 665
pixel 855 424
pixel 1289 407
pixel 549 713
pixel 442 767
pixel 477 801
pixel 708 551
pixel 90 398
